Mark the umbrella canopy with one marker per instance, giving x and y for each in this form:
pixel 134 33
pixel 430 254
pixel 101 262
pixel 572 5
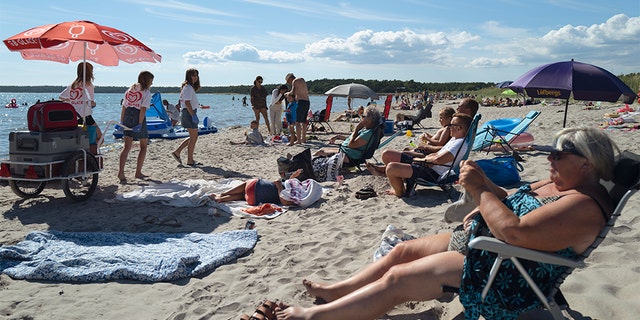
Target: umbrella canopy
pixel 80 40
pixel 509 92
pixel 353 90
pixel 504 84
pixel 563 79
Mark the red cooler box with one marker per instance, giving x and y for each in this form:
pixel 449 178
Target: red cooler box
pixel 52 116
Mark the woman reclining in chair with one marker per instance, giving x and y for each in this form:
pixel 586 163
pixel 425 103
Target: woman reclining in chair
pixel 562 214
pixel 356 143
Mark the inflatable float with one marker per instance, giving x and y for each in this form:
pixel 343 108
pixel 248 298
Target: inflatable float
pixel 11 104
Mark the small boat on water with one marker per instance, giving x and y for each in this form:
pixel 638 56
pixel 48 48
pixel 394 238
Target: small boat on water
pixel 204 107
pixel 12 104
pixel 159 124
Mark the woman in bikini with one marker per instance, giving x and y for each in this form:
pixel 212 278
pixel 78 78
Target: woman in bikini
pixel 535 216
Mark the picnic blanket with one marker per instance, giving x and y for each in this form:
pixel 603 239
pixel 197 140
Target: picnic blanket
pixel 109 256
pixel 193 193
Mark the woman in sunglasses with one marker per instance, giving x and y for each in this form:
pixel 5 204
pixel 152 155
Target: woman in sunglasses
pixel 561 214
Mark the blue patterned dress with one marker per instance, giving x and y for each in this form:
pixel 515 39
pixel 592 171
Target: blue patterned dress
pixel 510 295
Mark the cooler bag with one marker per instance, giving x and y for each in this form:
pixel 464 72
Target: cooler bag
pixel 52 116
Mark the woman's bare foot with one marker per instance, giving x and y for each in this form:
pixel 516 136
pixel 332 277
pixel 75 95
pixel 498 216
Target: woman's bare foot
pixel 319 290
pixel 375 170
pixel 392 192
pixel 293 313
pixel 141 176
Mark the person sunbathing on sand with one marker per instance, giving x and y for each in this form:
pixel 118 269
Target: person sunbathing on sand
pixel 534 216
pixel 256 191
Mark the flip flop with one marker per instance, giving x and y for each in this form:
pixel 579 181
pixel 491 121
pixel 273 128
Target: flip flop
pixel 366 193
pixel 195 164
pixel 177 158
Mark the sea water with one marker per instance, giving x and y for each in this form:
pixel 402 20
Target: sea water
pixel 225 110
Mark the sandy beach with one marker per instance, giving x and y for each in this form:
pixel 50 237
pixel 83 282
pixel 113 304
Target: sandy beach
pixel 325 242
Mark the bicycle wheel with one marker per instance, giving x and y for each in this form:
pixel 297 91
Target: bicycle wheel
pixel 27 189
pixel 79 188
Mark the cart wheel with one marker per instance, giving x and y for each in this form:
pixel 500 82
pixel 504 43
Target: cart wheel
pixel 27 189
pixel 79 188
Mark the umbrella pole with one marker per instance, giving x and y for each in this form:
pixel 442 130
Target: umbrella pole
pixel 566 108
pixel 84 90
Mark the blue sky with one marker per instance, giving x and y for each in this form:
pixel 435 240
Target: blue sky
pixel 233 41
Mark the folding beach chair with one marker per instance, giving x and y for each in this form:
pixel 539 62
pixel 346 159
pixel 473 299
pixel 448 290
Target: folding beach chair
pixel 494 136
pixel 372 146
pixel 446 182
pixel 623 186
pixel 321 119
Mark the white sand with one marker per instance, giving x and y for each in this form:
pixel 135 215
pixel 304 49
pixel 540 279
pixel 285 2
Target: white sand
pixel 326 242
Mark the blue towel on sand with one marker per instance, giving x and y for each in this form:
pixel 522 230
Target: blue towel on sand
pixel 99 256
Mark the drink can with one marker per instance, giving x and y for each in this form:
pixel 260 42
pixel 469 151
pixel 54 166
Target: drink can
pixel 250 225
pixel 340 179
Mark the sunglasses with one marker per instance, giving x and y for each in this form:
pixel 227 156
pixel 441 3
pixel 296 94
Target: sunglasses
pixel 567 148
pixel 453 125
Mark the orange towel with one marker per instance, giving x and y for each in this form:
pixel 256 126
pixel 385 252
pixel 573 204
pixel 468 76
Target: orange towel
pixel 263 209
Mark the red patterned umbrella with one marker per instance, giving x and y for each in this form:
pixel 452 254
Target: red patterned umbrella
pixel 80 40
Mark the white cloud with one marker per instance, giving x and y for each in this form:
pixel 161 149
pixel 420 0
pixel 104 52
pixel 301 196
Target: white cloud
pixel 240 52
pixel 595 44
pixel 592 44
pixel 395 47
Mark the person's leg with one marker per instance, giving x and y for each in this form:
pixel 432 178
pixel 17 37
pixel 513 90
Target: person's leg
pixel 181 147
pixel 397 172
pixel 404 252
pixel 325 152
pixel 124 154
pixel 256 112
pixel 390 155
pixel 377 170
pixel 299 126
pixel 143 153
pixel 274 123
pixel 98 135
pixel 417 280
pixel 303 138
pixel 265 114
pixel 277 119
pixel 233 194
pixel 191 146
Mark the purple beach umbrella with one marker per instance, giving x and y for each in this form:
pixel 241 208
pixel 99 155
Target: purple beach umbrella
pixel 562 79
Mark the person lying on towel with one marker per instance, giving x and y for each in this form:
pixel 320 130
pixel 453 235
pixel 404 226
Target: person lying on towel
pixel 280 192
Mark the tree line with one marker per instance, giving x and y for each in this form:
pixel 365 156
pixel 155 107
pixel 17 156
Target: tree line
pixel 319 86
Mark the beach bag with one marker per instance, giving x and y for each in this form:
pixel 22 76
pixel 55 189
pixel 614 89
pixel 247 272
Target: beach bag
pixel 302 161
pixel 327 168
pixel 52 116
pixel 405 125
pixel 503 171
pixel 302 193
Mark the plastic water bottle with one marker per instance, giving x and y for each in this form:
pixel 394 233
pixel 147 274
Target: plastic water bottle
pixel 412 144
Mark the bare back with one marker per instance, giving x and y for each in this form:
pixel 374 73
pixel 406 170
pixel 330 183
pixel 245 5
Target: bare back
pixel 299 89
